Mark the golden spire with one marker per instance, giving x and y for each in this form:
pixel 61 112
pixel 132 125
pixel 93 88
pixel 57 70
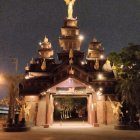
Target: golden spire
pixel 43 66
pixel 71 61
pixel 71 53
pixel 94 39
pixel 27 67
pixel 70 4
pixel 96 66
pixel 71 57
pixel 71 71
pixel 46 40
pixel 32 61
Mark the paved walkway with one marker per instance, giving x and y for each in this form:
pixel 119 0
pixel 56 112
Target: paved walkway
pixel 69 131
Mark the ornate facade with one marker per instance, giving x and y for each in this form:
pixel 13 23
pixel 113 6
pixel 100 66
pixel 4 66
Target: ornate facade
pixel 76 74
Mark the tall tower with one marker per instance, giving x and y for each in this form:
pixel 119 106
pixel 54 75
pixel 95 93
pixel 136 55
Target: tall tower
pixel 70 37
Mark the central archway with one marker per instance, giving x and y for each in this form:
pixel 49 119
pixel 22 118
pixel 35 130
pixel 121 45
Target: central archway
pixel 70 108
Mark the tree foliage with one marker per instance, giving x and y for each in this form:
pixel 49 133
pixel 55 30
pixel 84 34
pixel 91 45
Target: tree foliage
pixel 127 63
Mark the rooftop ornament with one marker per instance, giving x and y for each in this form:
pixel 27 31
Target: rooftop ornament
pixel 99 92
pixel 70 4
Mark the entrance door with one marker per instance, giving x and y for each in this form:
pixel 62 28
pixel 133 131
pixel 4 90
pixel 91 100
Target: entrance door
pixel 69 108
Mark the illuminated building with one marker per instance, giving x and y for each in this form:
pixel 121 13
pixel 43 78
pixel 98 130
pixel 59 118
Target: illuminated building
pixel 77 74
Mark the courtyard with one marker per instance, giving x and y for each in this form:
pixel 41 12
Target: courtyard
pixel 72 131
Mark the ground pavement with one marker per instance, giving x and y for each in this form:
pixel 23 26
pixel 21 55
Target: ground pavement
pixel 65 131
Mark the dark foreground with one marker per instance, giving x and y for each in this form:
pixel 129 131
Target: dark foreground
pixel 72 133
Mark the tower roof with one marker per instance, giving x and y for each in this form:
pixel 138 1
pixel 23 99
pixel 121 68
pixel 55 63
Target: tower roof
pixel 45 50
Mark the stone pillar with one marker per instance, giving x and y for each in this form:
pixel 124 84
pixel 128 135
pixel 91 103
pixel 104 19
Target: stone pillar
pixel 104 112
pixel 89 108
pixel 50 110
pixel 30 109
pixel 41 114
pixel 110 117
pixel 100 109
pixel 94 112
pixel 47 109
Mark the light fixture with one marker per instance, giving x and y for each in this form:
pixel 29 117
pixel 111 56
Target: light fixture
pixel 81 37
pixel 40 43
pixel 121 66
pixel 100 91
pixel 100 76
pixel 89 87
pixel 102 56
pixel 27 77
pixel 82 62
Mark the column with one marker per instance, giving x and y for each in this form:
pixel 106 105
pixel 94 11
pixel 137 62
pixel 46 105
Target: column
pixel 41 114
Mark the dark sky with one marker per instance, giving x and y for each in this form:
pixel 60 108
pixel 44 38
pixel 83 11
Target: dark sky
pixel 23 23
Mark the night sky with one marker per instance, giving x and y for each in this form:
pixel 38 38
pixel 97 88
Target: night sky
pixel 24 23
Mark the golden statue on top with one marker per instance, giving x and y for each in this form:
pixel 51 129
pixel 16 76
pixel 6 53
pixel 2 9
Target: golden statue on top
pixel 70 4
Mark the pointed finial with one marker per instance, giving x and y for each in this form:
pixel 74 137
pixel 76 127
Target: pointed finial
pixel 27 67
pixel 71 71
pixel 71 53
pixel 45 40
pixel 43 66
pixel 96 65
pixel 94 39
pixel 32 61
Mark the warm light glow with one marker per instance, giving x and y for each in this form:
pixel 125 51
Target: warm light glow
pixel 121 66
pixel 43 93
pixel 40 43
pixel 89 87
pixel 92 106
pixel 32 97
pixel 27 77
pixel 82 62
pixel 99 92
pixel 48 90
pixel 102 56
pixel 67 125
pixel 100 76
pixel 56 103
pixel 81 37
pixel 2 80
pixel 101 89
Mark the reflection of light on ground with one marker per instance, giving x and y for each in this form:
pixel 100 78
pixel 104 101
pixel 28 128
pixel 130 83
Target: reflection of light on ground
pixel 71 125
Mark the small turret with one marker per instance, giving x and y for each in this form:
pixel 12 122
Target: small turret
pixel 45 50
pixel 95 50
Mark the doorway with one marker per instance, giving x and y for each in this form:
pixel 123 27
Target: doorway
pixel 70 108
